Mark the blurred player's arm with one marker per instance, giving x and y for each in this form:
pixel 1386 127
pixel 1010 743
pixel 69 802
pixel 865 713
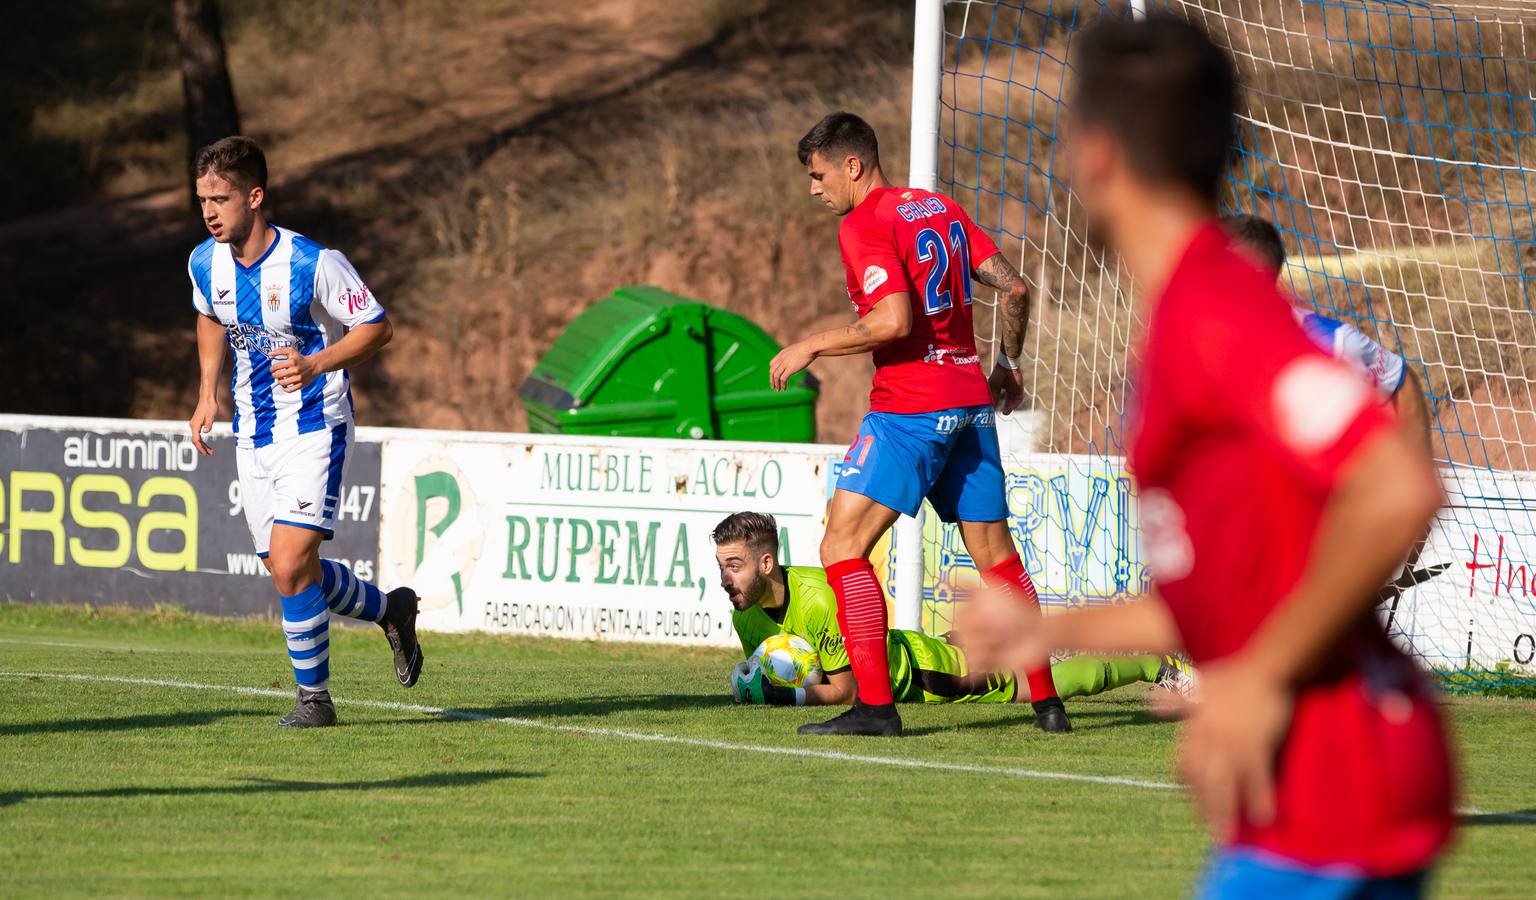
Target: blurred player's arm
pixel 889 320
pixel 293 370
pixel 1006 382
pixel 210 359
pixel 1140 626
pixel 1001 634
pixel 1379 508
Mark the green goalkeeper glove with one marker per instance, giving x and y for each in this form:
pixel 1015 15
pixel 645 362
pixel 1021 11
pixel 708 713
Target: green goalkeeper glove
pixel 749 684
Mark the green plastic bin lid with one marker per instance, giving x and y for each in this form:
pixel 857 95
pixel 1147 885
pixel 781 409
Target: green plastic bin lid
pixel 596 344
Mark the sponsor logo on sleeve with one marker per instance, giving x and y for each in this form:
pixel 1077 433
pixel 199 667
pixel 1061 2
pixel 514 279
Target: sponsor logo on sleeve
pixel 1315 400
pixel 356 300
pixel 874 276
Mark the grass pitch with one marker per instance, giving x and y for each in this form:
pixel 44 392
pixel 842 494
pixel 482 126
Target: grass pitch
pixel 547 767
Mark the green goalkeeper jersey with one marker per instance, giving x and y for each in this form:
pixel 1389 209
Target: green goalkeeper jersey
pixel 810 612
pixel 923 668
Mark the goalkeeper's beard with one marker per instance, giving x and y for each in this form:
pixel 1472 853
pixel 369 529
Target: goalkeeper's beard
pixel 751 595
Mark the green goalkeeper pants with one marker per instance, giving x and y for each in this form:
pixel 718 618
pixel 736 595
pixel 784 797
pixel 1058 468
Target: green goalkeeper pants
pixel 928 669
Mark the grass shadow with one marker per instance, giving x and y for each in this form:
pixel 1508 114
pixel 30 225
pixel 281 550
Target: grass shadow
pixel 125 723
pixel 598 707
pixel 1023 717
pixel 273 786
pixel 1526 817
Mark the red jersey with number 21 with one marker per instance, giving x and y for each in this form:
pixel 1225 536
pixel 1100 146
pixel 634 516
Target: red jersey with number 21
pixel 922 243
pixel 1243 430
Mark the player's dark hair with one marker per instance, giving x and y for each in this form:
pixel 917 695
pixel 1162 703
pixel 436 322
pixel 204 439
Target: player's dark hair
pixel 1165 92
pixel 759 531
pixel 237 158
pixel 1260 234
pixel 838 136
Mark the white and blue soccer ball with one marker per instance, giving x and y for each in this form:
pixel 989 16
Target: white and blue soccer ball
pixel 788 660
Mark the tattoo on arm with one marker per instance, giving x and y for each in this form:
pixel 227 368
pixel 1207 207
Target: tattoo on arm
pixel 995 273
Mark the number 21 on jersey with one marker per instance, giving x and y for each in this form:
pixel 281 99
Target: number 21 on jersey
pixel 931 249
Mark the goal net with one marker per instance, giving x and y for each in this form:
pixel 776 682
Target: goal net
pixel 1392 143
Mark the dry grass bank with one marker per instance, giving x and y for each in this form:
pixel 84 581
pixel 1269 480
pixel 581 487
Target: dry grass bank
pixel 494 167
pixel 491 169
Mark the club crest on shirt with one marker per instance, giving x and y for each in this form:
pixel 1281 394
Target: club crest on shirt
pixel 874 276
pixel 274 297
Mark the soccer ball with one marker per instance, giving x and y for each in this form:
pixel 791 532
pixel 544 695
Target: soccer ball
pixel 788 661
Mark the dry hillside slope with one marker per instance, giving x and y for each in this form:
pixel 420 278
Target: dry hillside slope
pixel 493 168
pixel 490 172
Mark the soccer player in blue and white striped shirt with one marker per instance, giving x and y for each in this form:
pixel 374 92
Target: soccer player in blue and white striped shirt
pixel 296 316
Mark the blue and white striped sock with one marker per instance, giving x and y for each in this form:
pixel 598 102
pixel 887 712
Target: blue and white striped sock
pixel 307 626
pixel 350 596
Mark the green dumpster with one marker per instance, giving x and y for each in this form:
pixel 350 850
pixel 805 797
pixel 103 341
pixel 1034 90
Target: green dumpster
pixel 646 363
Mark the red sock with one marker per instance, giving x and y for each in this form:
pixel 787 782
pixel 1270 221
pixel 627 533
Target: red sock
pixel 862 617
pixel 1010 576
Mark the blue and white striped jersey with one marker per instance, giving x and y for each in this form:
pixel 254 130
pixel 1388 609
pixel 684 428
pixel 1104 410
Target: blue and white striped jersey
pixel 1342 341
pixel 299 294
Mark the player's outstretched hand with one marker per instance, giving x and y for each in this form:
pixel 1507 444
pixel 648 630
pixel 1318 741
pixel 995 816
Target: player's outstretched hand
pixel 1007 386
pixel 999 633
pixel 1234 724
pixel 201 423
pixel 790 360
pixel 292 370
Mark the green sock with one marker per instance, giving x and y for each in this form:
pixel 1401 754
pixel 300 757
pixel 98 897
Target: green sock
pixel 1084 676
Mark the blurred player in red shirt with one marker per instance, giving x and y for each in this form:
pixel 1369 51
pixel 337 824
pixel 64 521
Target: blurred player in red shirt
pixel 909 256
pixel 1275 498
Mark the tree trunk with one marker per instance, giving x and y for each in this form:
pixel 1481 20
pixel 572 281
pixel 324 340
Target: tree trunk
pixel 210 98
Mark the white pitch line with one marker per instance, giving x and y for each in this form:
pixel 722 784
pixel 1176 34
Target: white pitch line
pixel 592 731
pixel 651 737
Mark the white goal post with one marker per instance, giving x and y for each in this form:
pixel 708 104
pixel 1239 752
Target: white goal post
pixel 922 172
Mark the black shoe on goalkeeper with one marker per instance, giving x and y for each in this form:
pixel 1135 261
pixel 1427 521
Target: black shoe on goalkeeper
pixel 314 709
pixel 861 719
pixel 1051 716
pixel 399 624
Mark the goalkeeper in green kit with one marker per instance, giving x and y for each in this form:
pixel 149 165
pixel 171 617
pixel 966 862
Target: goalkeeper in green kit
pixel 770 599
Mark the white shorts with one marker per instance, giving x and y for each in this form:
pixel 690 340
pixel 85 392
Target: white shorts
pixel 295 481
